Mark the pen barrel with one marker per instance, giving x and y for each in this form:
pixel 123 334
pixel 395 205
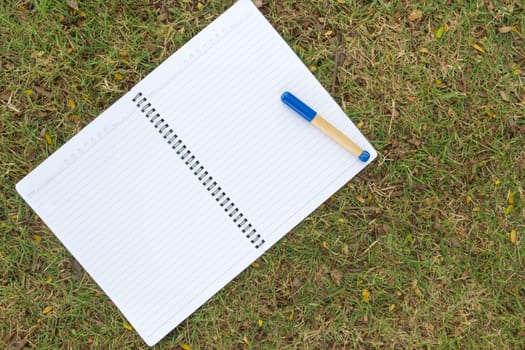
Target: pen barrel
pixel 332 132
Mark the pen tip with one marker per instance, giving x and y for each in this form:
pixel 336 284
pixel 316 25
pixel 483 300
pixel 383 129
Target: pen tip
pixel 364 156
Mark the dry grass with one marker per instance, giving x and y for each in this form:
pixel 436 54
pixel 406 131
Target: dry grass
pixel 424 229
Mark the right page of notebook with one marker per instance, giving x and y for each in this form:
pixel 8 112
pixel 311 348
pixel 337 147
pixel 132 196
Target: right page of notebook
pixel 223 98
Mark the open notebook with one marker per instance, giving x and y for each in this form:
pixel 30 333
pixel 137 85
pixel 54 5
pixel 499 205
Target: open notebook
pixel 194 173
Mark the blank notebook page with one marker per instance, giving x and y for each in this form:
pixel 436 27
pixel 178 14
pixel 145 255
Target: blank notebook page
pixel 194 173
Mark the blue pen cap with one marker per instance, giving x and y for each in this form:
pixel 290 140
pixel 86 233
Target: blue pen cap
pixel 297 105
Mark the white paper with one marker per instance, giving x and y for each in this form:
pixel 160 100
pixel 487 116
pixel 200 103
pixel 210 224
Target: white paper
pixel 142 224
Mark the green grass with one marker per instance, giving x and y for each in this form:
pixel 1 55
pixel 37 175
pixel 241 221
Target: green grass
pixel 424 229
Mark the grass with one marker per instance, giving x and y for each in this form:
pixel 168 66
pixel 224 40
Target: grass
pixel 414 253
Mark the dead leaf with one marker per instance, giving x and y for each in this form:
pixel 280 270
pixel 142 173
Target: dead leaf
pixel 504 96
pixel 163 15
pixel 73 4
pixel 506 29
pixel 17 344
pixel 415 15
pixel 336 275
pixel 42 91
pixel 258 3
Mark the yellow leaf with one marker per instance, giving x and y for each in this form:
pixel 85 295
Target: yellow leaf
pixel 200 6
pixel 439 32
pixel 505 29
pixel 28 92
pixel 476 209
pixel 49 280
pixel 47 310
pixel 328 33
pixel 123 53
pixel 185 347
pixel 360 282
pixel 341 220
pixel 85 98
pixel 312 68
pixel 398 293
pixel 127 326
pixel 512 236
pixel 71 104
pixel 497 182
pixel 360 199
pixel 424 50
pixel 366 295
pixel 37 238
pixel 118 76
pixel 510 197
pixel 508 209
pixel 360 124
pixel 260 323
pixel 489 113
pixel 392 307
pixel 256 265
pixel 74 117
pixel 49 140
pixel 245 340
pixel 479 48
pixel 445 27
pixel 468 199
pixel 290 317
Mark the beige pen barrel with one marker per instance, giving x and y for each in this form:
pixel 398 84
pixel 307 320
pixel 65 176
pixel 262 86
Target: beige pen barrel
pixel 322 124
pixel 336 135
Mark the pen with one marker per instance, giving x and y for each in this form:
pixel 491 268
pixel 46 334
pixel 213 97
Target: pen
pixel 322 124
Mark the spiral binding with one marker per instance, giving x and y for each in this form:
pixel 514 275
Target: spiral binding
pixel 198 170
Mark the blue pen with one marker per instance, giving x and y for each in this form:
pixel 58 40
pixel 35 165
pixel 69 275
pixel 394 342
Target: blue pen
pixel 322 124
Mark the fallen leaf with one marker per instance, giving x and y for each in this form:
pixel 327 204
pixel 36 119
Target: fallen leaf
pixel 255 265
pixel 118 76
pixel 37 239
pixel 258 3
pixel 49 280
pixel 123 53
pixel 328 33
pixel 366 295
pixel 49 140
pixel 47 310
pixel 336 275
pixel 510 197
pixel 290 317
pixel 71 104
pixel 75 117
pixel 479 48
pixel 200 6
pixel 512 236
pixel 424 50
pixel 28 92
pixel 260 323
pixel 127 326
pixel 504 96
pixel 392 307
pixel 439 33
pixel 508 209
pixel 415 15
pixel 43 91
pixel 73 4
pixel 505 29
pixel 185 347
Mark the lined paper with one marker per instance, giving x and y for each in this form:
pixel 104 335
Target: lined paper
pixel 127 207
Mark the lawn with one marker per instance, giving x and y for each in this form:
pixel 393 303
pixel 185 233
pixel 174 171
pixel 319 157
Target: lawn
pixel 424 249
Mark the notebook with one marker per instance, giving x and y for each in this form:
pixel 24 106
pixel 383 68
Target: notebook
pixel 194 173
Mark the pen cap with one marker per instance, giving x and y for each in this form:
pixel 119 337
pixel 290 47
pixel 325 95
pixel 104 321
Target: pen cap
pixel 297 105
